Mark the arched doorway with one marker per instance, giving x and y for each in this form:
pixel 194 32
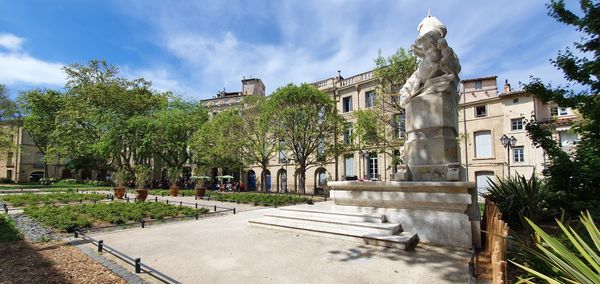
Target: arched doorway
pixel 282 181
pixel 251 180
pixel 86 174
pixel 320 180
pixel 267 178
pixel 297 180
pixel 66 173
pixel 36 176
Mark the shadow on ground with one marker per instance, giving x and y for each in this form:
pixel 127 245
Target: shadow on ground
pixel 441 260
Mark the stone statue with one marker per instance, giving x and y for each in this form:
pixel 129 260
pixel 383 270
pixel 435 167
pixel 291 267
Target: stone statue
pixel 430 99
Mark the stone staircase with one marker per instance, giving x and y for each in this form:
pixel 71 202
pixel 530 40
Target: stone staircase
pixel 372 229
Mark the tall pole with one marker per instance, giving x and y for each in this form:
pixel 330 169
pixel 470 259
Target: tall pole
pixel 508 158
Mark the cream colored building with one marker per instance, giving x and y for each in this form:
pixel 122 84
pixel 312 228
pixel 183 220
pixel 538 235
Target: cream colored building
pixel 228 100
pixel 485 115
pixel 24 162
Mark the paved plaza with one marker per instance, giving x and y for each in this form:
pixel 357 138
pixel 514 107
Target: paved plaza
pixel 227 249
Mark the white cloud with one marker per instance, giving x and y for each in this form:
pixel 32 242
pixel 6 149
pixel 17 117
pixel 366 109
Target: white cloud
pixel 311 40
pixel 19 68
pixel 11 42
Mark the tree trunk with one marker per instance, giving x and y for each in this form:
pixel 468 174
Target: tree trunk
pixel 302 181
pixel 45 169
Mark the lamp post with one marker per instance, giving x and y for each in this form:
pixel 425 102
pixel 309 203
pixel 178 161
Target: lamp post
pixel 365 156
pixel 508 143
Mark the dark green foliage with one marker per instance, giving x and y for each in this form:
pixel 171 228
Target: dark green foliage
pixel 27 199
pixel 8 231
pixel 259 197
pixel 69 218
pixel 518 197
pixel 575 177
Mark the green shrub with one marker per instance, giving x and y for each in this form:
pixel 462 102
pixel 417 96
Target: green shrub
pixel 28 199
pixel 6 180
pixel 8 231
pixel 258 197
pixel 575 259
pixel 69 218
pixel 70 180
pixel 518 197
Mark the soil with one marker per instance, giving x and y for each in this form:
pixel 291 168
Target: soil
pixel 50 262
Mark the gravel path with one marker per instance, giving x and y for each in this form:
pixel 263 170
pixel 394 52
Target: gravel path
pixel 33 230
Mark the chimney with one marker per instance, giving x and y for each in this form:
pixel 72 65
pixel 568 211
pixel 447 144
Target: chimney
pixel 506 87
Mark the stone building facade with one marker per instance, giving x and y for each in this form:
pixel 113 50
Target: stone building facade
pixel 486 114
pixel 24 162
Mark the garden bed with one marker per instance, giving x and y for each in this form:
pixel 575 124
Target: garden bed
pixel 259 198
pixel 71 217
pixel 29 199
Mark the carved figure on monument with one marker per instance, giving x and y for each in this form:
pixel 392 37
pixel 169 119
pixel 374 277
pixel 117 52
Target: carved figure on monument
pixel 430 98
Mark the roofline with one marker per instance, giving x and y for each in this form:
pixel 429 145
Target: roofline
pixel 479 78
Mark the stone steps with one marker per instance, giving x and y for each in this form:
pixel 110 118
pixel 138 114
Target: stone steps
pixel 370 218
pixel 341 224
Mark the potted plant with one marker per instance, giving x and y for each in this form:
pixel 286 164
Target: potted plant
pixel 201 183
pixel 173 174
pixel 121 176
pixel 142 176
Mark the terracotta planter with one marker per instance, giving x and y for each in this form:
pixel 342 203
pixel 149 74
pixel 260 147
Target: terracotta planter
pixel 142 194
pixel 174 190
pixel 200 192
pixel 119 192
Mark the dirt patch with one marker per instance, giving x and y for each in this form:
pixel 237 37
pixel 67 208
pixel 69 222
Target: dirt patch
pixel 51 262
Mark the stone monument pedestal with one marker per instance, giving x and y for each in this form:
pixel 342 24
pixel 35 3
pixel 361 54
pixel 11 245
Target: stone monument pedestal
pixel 443 213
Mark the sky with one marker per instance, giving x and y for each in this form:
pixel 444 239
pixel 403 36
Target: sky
pixel 197 48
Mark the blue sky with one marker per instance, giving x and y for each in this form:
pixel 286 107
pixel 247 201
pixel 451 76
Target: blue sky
pixel 196 48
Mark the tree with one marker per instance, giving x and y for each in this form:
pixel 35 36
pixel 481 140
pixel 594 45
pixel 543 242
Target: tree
pixel 258 142
pixel 574 176
pixel 8 113
pixel 173 129
pixel 378 126
pixel 93 124
pixel 305 121
pixel 40 109
pixel 213 145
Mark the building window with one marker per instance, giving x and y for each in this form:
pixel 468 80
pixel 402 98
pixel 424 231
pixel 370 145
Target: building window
pixel 9 159
pixel 483 144
pixel 515 101
pixel 480 111
pixel 9 174
pixel 567 138
pixel 519 154
pixel 482 181
pixel 348 134
pixel 399 125
pixel 478 85
pixel 347 104
pixel 39 160
pixel 369 99
pixel 373 167
pixel 282 156
pixel 562 111
pixel 516 124
pixel 554 111
pixel 349 166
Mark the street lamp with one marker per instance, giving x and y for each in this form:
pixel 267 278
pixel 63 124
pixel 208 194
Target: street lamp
pixel 365 156
pixel 508 143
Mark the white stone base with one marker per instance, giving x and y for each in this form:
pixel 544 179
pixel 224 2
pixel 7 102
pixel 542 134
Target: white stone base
pixel 443 213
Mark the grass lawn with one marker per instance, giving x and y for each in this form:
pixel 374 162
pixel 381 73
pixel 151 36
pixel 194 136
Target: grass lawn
pixel 28 199
pixel 58 185
pixel 258 197
pixel 68 218
pixel 8 231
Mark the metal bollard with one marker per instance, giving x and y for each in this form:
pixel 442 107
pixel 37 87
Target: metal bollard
pixel 196 205
pixel 138 266
pixel 155 198
pixel 76 235
pixel 233 211
pixel 180 203
pixel 167 201
pixel 5 208
pixel 127 199
pixel 196 215
pixel 143 223
pixel 275 204
pixel 215 208
pixel 100 245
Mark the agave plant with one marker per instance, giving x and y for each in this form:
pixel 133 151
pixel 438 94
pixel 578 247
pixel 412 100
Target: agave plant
pixel 517 197
pixel 578 265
